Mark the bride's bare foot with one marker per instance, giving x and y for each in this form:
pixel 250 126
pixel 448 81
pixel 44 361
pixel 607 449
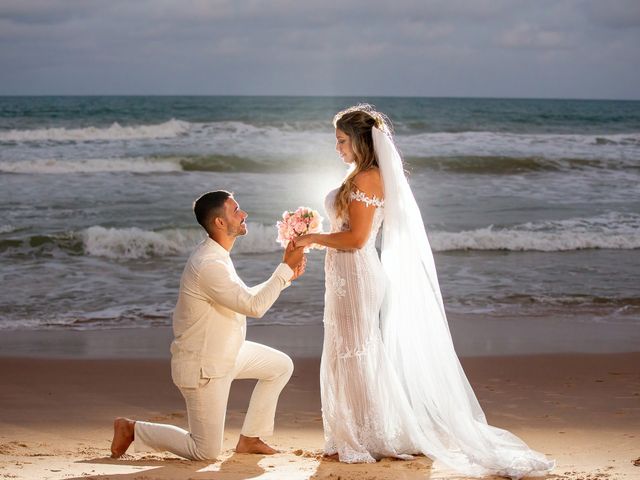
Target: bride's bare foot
pixel 253 445
pixel 333 456
pixel 123 433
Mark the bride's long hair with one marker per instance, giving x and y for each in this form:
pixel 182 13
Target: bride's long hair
pixel 357 122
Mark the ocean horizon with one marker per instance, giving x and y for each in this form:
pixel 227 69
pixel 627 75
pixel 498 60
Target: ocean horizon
pixel 257 95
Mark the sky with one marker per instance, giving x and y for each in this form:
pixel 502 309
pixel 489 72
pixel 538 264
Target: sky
pixel 460 48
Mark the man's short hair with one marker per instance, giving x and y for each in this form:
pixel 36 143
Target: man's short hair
pixel 209 207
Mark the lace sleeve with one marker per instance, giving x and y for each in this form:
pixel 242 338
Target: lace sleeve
pixel 360 196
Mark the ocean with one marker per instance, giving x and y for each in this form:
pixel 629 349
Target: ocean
pixel 532 206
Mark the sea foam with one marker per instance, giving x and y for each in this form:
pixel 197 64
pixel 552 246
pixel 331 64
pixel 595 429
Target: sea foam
pixel 612 231
pixel 95 165
pixel 617 231
pixel 133 242
pixel 171 128
pixel 516 240
pixel 550 146
pixel 212 145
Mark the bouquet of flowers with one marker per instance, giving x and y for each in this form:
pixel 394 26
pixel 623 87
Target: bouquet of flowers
pixel 293 224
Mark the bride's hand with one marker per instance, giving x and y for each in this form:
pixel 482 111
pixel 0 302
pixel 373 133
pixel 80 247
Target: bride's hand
pixel 303 240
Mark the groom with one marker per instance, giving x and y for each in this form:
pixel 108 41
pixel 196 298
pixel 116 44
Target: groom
pixel 210 351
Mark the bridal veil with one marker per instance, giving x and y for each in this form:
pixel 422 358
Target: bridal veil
pixel 452 426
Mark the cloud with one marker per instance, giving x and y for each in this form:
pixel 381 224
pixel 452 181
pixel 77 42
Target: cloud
pixel 532 37
pixel 407 47
pixel 45 12
pixel 615 13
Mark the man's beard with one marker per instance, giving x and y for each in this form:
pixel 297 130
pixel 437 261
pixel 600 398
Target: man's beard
pixel 238 232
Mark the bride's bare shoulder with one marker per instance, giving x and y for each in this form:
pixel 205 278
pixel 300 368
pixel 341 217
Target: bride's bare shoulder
pixel 370 182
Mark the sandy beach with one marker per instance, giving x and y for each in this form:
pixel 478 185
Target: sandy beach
pixel 56 414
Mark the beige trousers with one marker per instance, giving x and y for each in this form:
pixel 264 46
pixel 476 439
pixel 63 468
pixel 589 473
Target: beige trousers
pixel 207 406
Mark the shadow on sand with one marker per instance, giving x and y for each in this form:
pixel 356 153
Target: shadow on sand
pixel 236 467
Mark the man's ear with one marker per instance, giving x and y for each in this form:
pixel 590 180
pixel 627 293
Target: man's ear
pixel 218 222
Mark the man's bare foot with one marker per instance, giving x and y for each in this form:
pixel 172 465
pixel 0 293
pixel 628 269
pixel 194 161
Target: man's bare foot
pixel 123 433
pixel 253 445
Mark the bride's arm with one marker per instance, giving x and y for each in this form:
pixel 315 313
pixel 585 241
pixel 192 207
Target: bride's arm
pixel 360 219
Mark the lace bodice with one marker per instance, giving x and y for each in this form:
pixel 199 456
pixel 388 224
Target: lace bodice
pixel 339 224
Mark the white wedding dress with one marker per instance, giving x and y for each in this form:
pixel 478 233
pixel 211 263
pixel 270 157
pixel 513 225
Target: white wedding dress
pixel 391 383
pixel 364 417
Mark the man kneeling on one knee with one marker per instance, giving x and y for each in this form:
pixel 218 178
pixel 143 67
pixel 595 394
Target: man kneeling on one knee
pixel 209 350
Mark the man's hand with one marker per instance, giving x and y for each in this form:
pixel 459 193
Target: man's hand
pixel 293 256
pixel 298 272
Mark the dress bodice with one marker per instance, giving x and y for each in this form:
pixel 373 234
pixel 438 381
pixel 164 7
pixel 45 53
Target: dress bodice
pixel 339 224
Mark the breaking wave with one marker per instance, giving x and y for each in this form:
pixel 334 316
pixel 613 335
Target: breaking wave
pixel 611 231
pixel 132 243
pixel 135 165
pixel 246 140
pixel 490 165
pixel 171 128
pixel 499 165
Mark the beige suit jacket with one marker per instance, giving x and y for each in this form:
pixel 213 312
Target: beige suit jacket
pixel 209 322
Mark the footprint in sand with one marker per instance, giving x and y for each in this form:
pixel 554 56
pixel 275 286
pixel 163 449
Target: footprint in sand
pixel 11 447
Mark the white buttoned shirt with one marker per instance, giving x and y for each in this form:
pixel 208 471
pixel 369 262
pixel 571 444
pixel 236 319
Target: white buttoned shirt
pixel 210 318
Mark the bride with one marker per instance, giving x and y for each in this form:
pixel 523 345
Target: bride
pixel 391 382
